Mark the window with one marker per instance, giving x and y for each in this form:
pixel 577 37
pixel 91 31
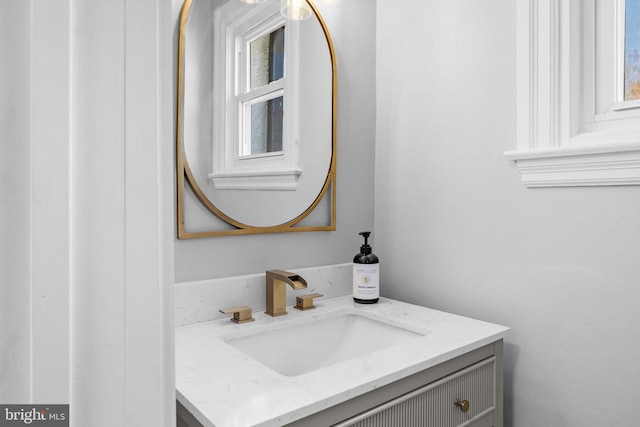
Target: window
pixel 632 50
pixel 255 102
pixel 261 100
pixel 576 124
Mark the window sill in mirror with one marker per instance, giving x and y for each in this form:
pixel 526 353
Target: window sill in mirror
pixel 615 161
pixel 276 180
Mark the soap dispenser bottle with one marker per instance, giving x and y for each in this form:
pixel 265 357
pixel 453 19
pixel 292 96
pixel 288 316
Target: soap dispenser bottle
pixel 366 274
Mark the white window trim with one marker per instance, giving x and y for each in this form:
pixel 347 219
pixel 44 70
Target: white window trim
pixel 230 170
pixel 561 140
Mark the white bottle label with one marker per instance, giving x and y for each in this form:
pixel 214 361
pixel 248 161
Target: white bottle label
pixel 366 279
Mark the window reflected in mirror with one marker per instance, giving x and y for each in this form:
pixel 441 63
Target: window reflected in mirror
pixel 266 128
pixel 256 96
pixel 267 58
pixel 263 104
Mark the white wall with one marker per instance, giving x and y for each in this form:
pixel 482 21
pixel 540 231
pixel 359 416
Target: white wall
pixel 216 257
pixel 456 229
pixel 87 210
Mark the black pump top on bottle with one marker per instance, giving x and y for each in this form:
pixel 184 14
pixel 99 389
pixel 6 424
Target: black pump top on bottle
pixel 365 256
pixel 365 249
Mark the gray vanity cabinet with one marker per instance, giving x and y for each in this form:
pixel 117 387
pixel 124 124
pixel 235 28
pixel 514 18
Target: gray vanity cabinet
pixel 465 391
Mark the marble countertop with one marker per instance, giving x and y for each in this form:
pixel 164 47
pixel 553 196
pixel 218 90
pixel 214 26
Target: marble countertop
pixel 223 387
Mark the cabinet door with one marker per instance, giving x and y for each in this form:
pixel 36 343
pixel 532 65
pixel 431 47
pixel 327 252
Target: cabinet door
pixel 434 405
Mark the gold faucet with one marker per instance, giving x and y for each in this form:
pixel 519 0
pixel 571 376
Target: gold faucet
pixel 277 292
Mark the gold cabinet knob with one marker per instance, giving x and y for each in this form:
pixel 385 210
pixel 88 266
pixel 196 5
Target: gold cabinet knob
pixel 464 405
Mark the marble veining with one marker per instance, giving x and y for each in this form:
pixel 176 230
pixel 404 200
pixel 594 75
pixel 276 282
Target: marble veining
pixel 223 387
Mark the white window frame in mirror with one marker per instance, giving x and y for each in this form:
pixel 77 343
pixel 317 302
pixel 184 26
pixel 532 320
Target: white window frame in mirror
pixel 234 28
pixel 246 95
pixel 573 127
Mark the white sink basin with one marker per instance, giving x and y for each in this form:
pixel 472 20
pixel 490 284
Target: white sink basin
pixel 295 348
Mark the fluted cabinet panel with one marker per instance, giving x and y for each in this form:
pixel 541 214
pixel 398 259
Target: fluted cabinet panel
pixel 434 405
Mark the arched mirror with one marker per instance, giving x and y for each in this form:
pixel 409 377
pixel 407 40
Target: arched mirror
pixel 256 124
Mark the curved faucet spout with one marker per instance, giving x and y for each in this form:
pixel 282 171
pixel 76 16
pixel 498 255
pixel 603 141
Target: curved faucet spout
pixel 276 290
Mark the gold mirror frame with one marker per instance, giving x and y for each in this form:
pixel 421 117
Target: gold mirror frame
pixel 185 176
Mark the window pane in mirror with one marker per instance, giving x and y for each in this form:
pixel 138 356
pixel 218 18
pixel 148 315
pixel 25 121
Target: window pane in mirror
pixel 632 50
pixel 267 59
pixel 266 126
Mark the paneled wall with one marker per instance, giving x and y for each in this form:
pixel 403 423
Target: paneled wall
pixel 15 199
pixel 87 209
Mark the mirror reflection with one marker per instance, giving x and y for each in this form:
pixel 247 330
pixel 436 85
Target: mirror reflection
pixel 256 119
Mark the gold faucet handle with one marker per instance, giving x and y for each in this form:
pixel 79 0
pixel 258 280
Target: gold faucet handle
pixel 241 314
pixel 305 302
